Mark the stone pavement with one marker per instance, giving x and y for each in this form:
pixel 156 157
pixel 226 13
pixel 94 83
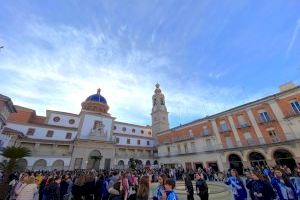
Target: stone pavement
pixel 217 191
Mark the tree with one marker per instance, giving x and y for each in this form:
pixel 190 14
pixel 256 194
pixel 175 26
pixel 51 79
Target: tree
pixel 132 163
pixel 95 159
pixel 13 154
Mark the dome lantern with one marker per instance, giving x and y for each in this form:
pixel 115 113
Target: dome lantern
pixel 96 103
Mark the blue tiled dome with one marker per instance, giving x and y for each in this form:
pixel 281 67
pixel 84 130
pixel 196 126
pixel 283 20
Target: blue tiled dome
pixel 97 98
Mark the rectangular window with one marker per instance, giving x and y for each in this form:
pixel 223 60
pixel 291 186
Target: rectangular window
pixel 190 133
pixel 242 121
pixel 178 148
pixel 148 142
pixel 193 146
pixel 264 117
pixel 138 142
pixel 117 140
pixel 205 130
pixel 128 141
pixel 229 142
pixel 296 107
pixel 273 135
pixel 248 138
pixel 30 131
pixel 186 148
pixel 223 126
pixel 49 133
pixel 208 142
pixel 68 135
pixel 97 125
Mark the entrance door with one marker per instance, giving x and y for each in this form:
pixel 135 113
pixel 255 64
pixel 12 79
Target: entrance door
pixel 236 163
pixel 198 165
pixel 214 165
pixel 107 163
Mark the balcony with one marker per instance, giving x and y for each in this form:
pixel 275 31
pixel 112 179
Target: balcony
pixel 266 122
pixel 275 139
pixel 224 131
pixel 178 139
pixel 243 126
pixel 250 142
pixel 291 114
pixel 206 133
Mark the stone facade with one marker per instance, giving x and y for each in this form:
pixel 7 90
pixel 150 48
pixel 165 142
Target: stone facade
pixel 262 132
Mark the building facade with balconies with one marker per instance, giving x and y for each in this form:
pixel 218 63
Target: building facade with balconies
pixel 262 132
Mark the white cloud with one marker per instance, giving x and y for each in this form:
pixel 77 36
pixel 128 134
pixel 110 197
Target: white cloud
pixel 294 37
pixel 60 66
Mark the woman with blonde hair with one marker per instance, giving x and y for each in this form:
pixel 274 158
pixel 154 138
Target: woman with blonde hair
pixel 142 190
pixel 27 190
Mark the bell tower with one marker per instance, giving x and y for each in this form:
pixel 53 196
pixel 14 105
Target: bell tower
pixel 160 121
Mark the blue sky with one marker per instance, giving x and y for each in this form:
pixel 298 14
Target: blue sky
pixel 208 55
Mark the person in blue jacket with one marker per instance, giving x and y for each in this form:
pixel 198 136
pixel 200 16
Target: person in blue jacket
pixel 238 188
pixel 284 188
pixel 261 189
pixel 296 182
pixel 169 190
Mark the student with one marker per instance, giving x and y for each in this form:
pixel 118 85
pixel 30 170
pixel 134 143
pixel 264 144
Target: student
pixel 283 186
pixel 238 188
pixel 201 187
pixel 169 190
pixel 296 182
pixel 188 187
pixel 160 188
pixel 143 189
pixel 260 188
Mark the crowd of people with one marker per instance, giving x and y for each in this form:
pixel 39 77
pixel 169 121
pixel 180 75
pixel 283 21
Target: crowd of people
pixel 257 184
pixel 265 184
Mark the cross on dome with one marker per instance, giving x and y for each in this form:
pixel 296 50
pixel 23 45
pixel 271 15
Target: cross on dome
pixel 98 91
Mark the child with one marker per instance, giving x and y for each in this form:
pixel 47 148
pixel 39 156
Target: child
pixel 169 188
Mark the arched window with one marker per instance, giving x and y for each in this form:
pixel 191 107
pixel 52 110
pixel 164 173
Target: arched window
pixel 257 159
pixel 284 157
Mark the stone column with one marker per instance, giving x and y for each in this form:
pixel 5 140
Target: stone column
pixel 255 126
pixel 216 132
pixel 235 133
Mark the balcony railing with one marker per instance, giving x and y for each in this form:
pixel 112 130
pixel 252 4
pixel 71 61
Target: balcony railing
pixel 292 114
pixel 250 142
pixel 265 121
pixel 275 139
pixel 227 130
pixel 243 126
pixel 191 151
pixel 128 155
pixel 206 133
